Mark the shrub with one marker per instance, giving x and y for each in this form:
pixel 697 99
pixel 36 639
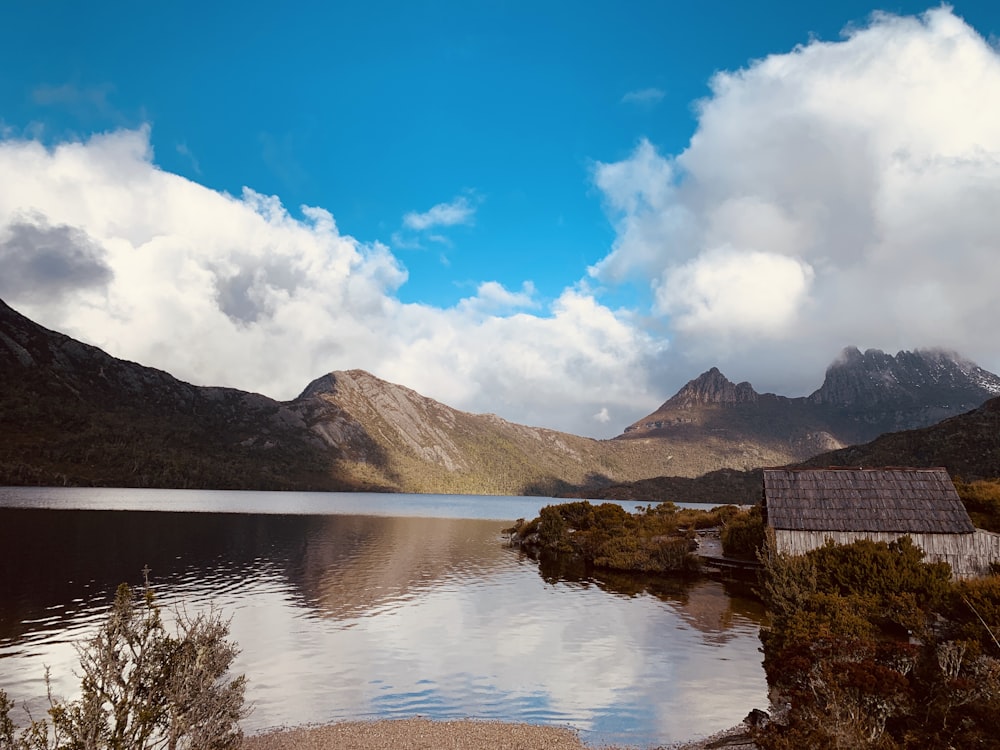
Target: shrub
pixel 743 532
pixel 842 668
pixel 982 500
pixel 607 536
pixel 144 688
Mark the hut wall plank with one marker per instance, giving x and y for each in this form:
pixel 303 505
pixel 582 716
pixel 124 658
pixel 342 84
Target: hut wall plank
pixel 968 554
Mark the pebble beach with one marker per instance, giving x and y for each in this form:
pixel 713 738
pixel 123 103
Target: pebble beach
pixel 423 734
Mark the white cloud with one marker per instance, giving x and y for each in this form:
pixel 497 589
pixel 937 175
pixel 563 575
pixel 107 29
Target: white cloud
pixel 494 297
pixel 235 290
pixel 842 193
pixel 729 291
pixel 458 211
pixel 644 96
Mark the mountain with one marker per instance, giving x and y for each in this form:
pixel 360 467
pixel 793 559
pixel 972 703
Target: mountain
pixel 72 414
pixel 392 436
pixel 863 395
pixel 967 445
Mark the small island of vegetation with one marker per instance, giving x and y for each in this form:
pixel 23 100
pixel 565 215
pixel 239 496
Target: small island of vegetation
pixel 655 539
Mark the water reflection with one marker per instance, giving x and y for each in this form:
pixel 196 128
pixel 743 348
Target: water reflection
pixel 392 560
pixel 346 617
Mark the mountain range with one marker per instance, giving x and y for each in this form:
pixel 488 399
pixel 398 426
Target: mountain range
pixel 863 395
pixel 72 414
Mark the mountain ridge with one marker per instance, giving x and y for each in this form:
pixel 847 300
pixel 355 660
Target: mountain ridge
pixel 73 414
pixel 863 395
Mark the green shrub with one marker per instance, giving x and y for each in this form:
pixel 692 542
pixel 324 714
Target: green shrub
pixel 743 532
pixel 844 672
pixel 607 536
pixel 143 688
pixel 982 500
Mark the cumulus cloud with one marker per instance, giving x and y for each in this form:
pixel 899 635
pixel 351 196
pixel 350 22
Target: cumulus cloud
pixel 42 262
pixel 98 242
pixel 842 193
pixel 730 291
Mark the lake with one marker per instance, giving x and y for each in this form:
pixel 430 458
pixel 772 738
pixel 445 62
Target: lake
pixel 367 606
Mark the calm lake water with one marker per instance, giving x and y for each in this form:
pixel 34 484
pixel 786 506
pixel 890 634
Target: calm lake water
pixel 363 606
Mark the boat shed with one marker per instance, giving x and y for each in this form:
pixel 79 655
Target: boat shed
pixel 806 507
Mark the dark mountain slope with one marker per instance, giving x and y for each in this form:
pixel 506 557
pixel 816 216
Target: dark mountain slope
pixel 967 445
pixel 72 414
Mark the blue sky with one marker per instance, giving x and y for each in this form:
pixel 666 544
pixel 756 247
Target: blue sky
pixel 467 154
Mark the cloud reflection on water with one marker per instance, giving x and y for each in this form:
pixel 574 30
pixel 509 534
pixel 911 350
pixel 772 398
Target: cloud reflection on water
pixel 343 617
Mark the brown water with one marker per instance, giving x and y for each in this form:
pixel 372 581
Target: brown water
pixel 347 616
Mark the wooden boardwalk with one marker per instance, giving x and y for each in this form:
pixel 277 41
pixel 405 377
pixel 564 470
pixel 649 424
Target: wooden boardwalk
pixel 711 556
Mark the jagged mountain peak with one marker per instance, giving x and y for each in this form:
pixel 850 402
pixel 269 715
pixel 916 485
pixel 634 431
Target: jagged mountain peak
pixel 864 394
pixel 934 376
pixel 712 387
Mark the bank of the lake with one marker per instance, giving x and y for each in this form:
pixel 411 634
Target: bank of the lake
pixel 422 734
pixel 345 615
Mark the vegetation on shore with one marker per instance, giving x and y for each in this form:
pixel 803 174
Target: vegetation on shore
pixel 982 501
pixel 143 687
pixel 654 539
pixel 871 647
pixel 868 646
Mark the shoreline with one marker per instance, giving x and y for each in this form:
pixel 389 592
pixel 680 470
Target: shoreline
pixel 467 734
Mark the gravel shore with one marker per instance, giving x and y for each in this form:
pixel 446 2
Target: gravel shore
pixel 423 734
pixel 417 734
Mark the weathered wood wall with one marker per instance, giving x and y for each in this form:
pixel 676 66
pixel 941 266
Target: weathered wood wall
pixel 968 554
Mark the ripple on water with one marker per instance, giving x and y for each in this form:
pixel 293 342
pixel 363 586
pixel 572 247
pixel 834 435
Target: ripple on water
pixel 357 617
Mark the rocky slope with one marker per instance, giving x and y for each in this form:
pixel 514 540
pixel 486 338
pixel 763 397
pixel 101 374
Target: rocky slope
pixel 863 395
pixel 72 414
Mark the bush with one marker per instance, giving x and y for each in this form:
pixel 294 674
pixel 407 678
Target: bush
pixel 982 500
pixel 654 540
pixel 870 647
pixel 143 688
pixel 743 532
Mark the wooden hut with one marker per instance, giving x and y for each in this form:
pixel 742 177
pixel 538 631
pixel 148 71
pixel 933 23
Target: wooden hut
pixel 805 507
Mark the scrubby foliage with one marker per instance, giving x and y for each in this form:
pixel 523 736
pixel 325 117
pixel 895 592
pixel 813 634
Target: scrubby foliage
pixel 743 534
pixel 870 647
pixel 982 500
pixel 654 539
pixel 143 688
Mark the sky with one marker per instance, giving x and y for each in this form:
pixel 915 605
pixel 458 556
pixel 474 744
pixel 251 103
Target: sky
pixel 557 212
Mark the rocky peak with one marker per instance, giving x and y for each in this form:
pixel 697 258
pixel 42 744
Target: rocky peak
pixel 874 378
pixel 712 387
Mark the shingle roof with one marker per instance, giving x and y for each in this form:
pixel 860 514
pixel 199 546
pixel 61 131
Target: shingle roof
pixel 918 501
